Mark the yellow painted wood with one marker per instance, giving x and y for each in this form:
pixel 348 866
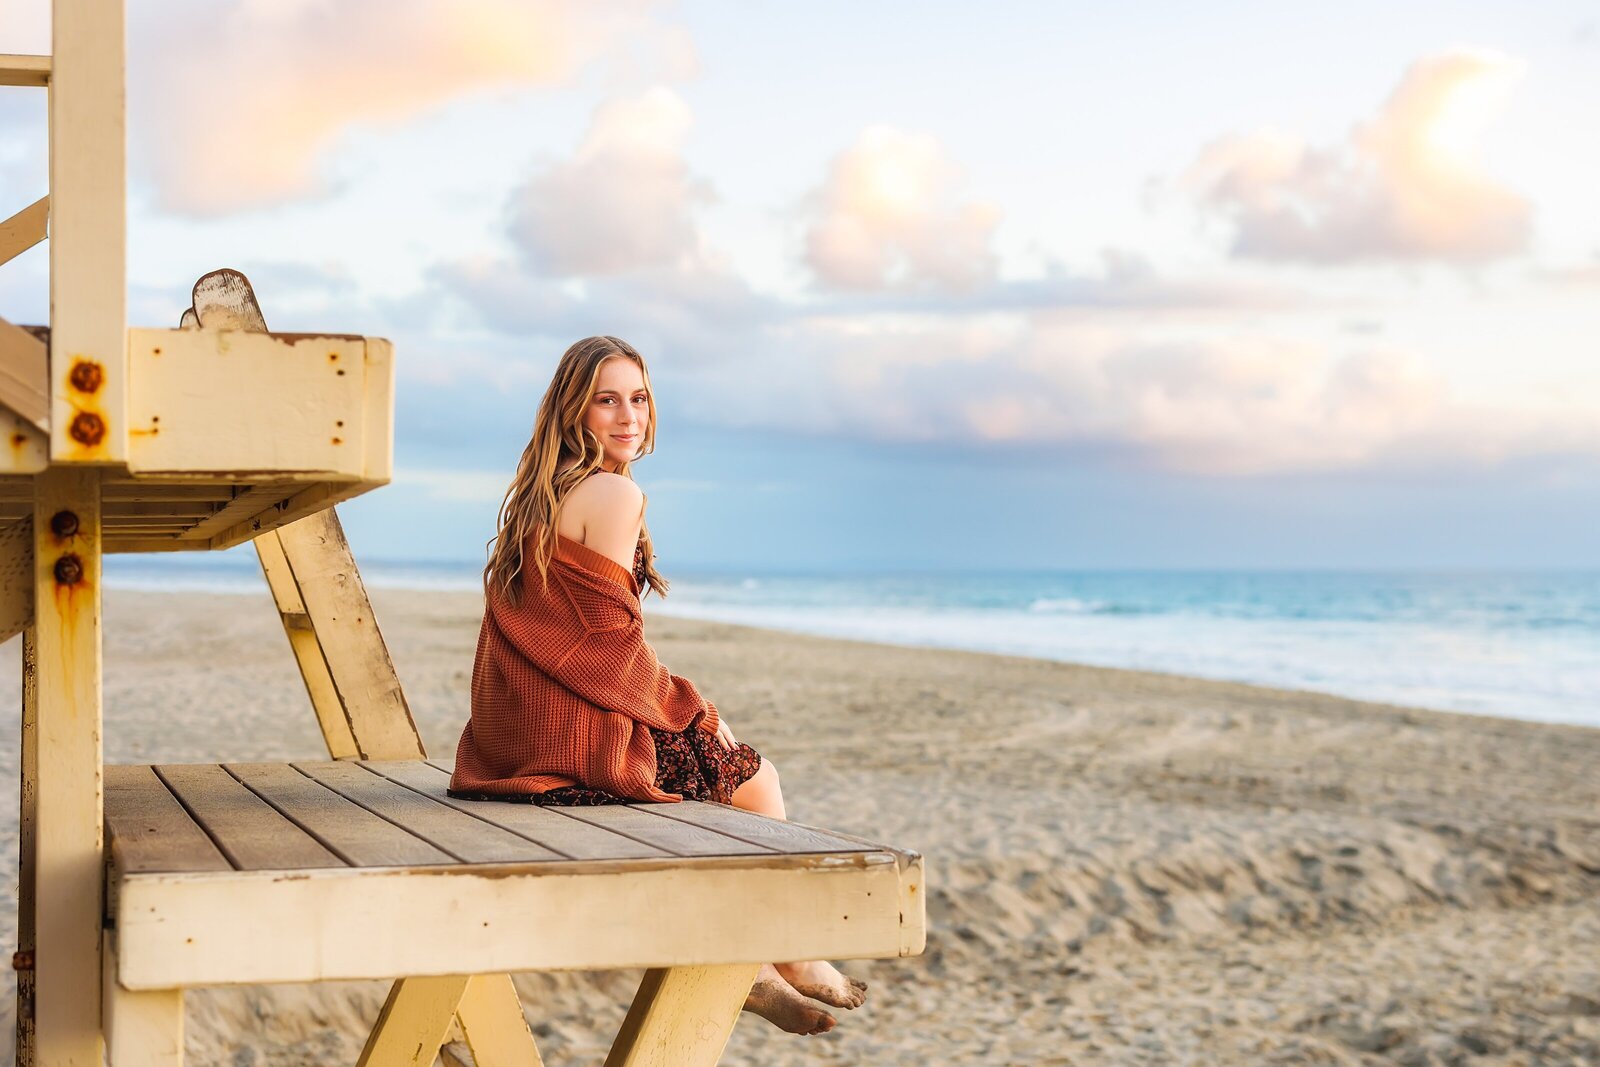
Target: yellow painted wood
pixel 682 1016
pixel 307 649
pixel 16 577
pixel 67 805
pixel 26 836
pixel 24 229
pixel 25 375
pixel 338 609
pixel 235 400
pixel 492 1020
pixel 26 447
pixel 88 235
pixel 24 70
pixel 143 1029
pixel 184 929
pixel 414 1022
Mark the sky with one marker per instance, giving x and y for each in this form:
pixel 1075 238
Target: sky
pixel 920 286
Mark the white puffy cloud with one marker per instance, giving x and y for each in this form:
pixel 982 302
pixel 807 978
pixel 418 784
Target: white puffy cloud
pixel 240 100
pixel 1404 185
pixel 624 200
pixel 888 215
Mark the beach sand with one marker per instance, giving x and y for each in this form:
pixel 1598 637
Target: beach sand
pixel 1123 867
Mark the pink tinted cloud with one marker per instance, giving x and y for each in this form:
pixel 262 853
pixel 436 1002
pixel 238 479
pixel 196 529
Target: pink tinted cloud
pixel 1404 185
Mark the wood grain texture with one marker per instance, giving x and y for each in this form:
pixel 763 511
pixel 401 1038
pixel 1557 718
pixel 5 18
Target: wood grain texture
pixel 682 1016
pixel 24 229
pixel 346 829
pixel 246 829
pixel 149 830
pixel 491 1018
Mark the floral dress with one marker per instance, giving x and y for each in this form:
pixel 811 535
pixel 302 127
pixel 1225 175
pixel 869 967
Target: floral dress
pixel 691 762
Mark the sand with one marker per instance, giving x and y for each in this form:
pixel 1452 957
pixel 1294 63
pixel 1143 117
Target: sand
pixel 1123 867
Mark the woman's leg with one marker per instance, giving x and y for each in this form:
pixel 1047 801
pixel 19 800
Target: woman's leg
pixel 815 978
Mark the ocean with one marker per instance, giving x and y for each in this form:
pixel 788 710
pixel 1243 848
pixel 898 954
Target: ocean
pixel 1523 644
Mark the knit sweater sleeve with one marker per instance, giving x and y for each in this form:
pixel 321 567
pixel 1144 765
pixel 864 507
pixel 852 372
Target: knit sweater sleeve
pixel 616 669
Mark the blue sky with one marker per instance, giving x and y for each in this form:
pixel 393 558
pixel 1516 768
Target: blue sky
pixel 921 285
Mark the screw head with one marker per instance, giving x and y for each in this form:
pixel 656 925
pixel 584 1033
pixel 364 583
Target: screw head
pixel 64 523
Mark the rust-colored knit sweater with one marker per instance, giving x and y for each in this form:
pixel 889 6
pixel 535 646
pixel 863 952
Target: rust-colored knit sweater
pixel 564 685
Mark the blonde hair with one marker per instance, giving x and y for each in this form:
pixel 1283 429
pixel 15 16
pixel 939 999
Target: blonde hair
pixel 561 453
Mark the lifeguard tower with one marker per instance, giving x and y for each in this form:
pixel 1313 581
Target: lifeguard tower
pixel 140 881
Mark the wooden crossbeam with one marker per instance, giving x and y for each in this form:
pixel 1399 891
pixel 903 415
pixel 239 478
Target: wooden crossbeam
pixel 24 229
pixel 25 70
pixel 25 375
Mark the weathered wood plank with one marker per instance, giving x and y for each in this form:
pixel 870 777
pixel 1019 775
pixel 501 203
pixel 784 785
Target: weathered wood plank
pixel 679 838
pixel 491 918
pixel 494 1025
pixel 149 829
pixel 24 229
pixel 775 834
pixel 22 70
pixel 67 824
pixel 16 576
pixel 569 837
pixel 414 1022
pixel 247 502
pixel 27 836
pixel 248 830
pixel 682 1016
pixel 350 831
pixel 462 836
pixel 143 1029
pixel 25 375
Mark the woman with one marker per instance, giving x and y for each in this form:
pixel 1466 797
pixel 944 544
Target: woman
pixel 569 704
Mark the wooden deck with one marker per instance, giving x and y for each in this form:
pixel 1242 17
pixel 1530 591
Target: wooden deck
pixel 268 872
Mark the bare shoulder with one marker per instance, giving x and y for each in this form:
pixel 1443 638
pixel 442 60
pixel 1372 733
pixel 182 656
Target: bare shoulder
pixel 609 509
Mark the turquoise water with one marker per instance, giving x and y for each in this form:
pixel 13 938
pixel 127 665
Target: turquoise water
pixel 1520 644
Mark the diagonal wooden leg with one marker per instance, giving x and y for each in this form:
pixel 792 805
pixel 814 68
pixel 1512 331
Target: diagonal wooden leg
pixel 490 1014
pixel 414 1022
pixel 143 1029
pixel 682 1016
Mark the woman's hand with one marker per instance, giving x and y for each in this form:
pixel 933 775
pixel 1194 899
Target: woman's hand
pixel 725 735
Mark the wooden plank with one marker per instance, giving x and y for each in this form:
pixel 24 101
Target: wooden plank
pixel 27 448
pixel 351 832
pixel 307 649
pixel 314 498
pixel 336 602
pixel 27 876
pixel 16 577
pixel 89 377
pixel 149 829
pixel 776 834
pixel 24 229
pixel 467 839
pixel 185 929
pixel 682 1016
pixel 414 1022
pixel 233 400
pixel 248 830
pixel 25 375
pixel 143 1029
pixel 679 838
pixel 246 503
pixel 492 1021
pixel 67 824
pixel 31 71
pixel 568 837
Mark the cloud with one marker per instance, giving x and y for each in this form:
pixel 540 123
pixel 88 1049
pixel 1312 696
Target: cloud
pixel 245 98
pixel 456 486
pixel 625 199
pixel 888 216
pixel 1404 185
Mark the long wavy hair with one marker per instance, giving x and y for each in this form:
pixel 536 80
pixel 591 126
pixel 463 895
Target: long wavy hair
pixel 561 453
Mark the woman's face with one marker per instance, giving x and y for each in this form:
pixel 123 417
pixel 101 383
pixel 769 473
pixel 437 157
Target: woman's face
pixel 619 411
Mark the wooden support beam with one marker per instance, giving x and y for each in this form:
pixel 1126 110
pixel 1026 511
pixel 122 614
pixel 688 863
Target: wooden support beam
pixel 16 577
pixel 24 229
pixel 27 874
pixel 24 70
pixel 414 1022
pixel 682 1016
pixel 25 375
pixel 491 1018
pixel 88 235
pixel 67 791
pixel 143 1029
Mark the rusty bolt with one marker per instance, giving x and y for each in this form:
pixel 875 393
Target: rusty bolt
pixel 87 428
pixel 69 570
pixel 86 376
pixel 64 524
pixel 22 960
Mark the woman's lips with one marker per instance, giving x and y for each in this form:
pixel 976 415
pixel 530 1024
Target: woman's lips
pixel 624 437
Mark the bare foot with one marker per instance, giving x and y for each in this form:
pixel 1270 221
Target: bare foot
pixel 776 1001
pixel 820 980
